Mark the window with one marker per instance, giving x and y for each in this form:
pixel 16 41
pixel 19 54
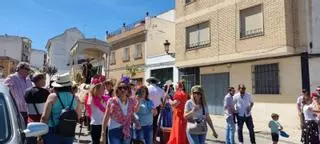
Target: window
pixel 198 36
pixel 266 79
pixel 190 81
pixel 126 54
pixel 138 51
pixel 251 22
pixel 113 58
pixel 188 1
pixel 5 132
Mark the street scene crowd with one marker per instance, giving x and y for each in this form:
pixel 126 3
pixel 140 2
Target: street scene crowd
pixel 123 112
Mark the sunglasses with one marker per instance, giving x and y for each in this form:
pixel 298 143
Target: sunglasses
pixel 242 88
pixel 199 93
pixel 123 88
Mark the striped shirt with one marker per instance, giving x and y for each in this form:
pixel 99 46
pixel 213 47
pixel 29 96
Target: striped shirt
pixel 18 87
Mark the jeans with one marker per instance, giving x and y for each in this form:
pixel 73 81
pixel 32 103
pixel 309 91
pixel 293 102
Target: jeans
pixel 250 126
pixel 95 134
pixel 230 130
pixel 115 137
pixel 196 139
pixel 145 134
pixel 51 138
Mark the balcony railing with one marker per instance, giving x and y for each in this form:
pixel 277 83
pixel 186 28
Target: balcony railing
pixel 251 33
pixel 201 44
pixel 126 28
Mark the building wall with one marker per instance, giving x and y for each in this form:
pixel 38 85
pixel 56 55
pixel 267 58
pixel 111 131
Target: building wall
pixel 8 66
pixel 224 20
pixel 314 70
pixel 158 31
pixel 290 89
pixel 59 49
pixel 37 58
pixel 316 26
pixel 11 46
pixel 119 67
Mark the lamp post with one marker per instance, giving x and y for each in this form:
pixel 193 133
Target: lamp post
pixel 166 49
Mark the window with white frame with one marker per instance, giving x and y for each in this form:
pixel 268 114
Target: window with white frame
pixel 126 54
pixel 138 51
pixel 198 36
pixel 266 79
pixel 251 22
pixel 113 58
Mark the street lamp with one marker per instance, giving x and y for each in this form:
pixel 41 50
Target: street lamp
pixel 166 49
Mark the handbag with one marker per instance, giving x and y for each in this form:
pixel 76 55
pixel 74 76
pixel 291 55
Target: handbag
pixel 198 126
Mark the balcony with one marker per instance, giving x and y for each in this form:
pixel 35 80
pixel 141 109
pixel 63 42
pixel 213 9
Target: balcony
pixel 126 31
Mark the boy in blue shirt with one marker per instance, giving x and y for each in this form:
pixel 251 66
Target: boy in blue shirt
pixel 275 127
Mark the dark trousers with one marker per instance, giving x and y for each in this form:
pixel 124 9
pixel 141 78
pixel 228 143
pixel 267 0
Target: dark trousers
pixel 95 134
pixel 250 126
pixel 155 124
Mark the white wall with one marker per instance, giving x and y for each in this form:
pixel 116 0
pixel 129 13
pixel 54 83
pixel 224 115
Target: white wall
pixel 314 70
pixel 316 26
pixel 37 58
pixel 11 46
pixel 169 15
pixel 60 49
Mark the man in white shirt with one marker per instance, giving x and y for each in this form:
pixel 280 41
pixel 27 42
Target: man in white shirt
pixel 304 95
pixel 243 104
pixel 229 115
pixel 156 94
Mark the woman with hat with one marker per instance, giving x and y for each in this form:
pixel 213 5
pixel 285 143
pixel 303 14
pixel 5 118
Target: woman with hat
pixel 95 103
pixel 197 114
pixel 119 116
pixel 178 132
pixel 62 97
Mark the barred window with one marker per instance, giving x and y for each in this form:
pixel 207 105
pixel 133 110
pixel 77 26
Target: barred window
pixel 190 81
pixel 266 79
pixel 113 58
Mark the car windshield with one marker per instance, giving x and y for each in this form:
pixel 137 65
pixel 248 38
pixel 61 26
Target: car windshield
pixel 4 120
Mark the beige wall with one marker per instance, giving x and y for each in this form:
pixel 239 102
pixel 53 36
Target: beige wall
pixel 119 67
pixel 283 104
pixel 225 31
pixel 159 30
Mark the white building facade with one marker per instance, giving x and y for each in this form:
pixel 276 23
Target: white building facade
pixel 59 48
pixel 37 58
pixel 157 62
pixel 16 47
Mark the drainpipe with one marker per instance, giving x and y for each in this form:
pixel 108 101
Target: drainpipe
pixel 305 55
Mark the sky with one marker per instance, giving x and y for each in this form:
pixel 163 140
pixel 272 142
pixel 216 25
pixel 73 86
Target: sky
pixel 41 20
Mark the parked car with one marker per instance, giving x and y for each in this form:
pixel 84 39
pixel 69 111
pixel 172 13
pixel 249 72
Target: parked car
pixel 13 129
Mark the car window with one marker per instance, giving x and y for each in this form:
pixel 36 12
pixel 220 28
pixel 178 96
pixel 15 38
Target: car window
pixel 5 132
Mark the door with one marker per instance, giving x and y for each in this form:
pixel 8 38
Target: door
pixel 215 88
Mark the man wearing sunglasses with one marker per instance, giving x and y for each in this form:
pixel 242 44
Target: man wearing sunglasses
pixel 243 104
pixel 18 83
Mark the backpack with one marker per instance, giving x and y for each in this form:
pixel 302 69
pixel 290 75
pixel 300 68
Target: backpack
pixel 67 120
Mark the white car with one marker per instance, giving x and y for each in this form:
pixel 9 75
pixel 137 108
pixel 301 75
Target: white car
pixel 13 129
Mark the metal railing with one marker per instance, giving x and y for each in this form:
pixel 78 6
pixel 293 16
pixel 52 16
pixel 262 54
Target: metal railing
pixel 200 44
pixel 251 33
pixel 125 28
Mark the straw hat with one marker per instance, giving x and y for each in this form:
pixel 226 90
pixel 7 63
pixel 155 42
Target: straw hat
pixel 63 80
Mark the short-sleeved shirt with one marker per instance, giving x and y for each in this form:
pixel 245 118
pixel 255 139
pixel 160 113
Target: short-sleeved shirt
pixel 308 113
pixel 144 115
pixel 274 126
pixel 228 106
pixel 155 94
pixel 299 101
pixel 36 98
pixel 18 86
pixel 197 115
pixel 242 103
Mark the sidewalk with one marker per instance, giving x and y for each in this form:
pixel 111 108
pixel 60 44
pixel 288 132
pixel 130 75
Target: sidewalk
pixel 262 133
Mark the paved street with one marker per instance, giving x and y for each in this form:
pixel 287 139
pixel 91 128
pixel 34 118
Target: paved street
pixel 260 138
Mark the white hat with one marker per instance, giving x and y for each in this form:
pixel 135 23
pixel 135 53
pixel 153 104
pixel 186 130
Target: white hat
pixel 63 80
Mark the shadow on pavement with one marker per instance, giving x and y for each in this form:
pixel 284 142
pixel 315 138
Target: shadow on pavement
pixel 214 141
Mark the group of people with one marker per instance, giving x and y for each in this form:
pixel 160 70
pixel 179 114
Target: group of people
pixel 119 112
pixel 309 112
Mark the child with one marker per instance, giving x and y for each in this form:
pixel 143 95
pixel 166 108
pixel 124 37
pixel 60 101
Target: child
pixel 275 127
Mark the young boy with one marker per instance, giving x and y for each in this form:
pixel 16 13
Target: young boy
pixel 275 127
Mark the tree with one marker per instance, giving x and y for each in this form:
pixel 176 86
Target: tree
pixel 50 70
pixel 132 69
